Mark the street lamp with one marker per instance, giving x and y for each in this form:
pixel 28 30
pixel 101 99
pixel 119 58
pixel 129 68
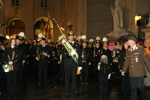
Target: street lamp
pixel 137 19
pixel 138 23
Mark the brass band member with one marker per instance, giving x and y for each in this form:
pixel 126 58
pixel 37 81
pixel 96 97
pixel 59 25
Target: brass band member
pixel 86 56
pixel 22 47
pixel 12 56
pixel 43 57
pixel 60 64
pixel 96 56
pixel 70 67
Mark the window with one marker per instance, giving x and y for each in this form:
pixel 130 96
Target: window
pixel 15 2
pixel 44 3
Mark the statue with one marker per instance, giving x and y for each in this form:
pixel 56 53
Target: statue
pixel 117 17
pixel 1 4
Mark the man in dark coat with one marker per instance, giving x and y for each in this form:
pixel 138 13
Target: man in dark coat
pixel 70 66
pixel 43 54
pixel 136 58
pixel 125 84
pixel 24 50
pixel 86 57
pixel 96 57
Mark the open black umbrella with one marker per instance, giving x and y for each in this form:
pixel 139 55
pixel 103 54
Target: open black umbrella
pixel 125 36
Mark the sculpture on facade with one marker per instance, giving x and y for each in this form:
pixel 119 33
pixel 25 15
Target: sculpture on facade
pixel 1 4
pixel 117 17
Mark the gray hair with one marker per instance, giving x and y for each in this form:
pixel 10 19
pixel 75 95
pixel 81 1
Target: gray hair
pixel 104 59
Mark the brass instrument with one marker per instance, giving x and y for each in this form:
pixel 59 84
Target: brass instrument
pixel 11 67
pixel 94 52
pixel 83 53
pixel 60 58
pixel 8 67
pixel 54 55
pixel 38 53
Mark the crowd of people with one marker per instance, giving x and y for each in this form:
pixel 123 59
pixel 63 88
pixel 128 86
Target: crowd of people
pixel 97 59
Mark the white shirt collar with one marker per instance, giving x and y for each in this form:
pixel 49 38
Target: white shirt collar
pixel 43 45
pixel 134 47
pixel 12 46
pixel 71 42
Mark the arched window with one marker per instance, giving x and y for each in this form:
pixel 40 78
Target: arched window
pixel 44 3
pixel 15 2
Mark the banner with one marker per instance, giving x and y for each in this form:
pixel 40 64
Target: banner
pixel 47 29
pixel 71 51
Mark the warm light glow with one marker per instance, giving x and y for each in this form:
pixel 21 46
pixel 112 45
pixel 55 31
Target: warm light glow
pixel 7 37
pixel 13 23
pixel 137 18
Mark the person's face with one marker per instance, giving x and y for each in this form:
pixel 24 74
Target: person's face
pixel 118 43
pixel 131 43
pixel 42 42
pixel 71 38
pixel 30 41
pixel 97 44
pixel 89 45
pixel 17 41
pixel 13 42
pixel 2 46
pixel 105 45
pixel 84 45
pixel 126 45
pixel 59 43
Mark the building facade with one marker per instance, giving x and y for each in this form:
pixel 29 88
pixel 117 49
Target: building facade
pixel 90 17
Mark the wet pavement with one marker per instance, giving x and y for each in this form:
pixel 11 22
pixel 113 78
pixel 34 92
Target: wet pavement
pixel 54 90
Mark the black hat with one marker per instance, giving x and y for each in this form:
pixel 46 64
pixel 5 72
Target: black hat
pixel 97 41
pixel 19 38
pixel 41 38
pixel 70 33
pixel 84 41
pixel 132 38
